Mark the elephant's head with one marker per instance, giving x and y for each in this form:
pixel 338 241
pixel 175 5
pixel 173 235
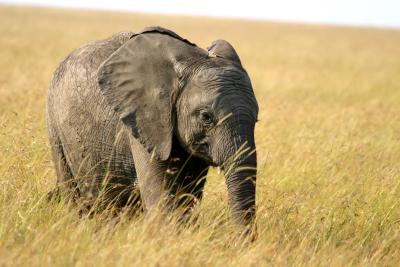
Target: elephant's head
pixel 162 85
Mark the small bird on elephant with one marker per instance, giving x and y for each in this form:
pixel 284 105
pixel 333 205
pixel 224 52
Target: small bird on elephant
pixel 141 117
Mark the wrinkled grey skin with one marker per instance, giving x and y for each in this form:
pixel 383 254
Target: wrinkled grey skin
pixel 141 118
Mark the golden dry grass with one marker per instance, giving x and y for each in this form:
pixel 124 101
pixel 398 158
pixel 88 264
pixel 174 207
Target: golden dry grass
pixel 328 144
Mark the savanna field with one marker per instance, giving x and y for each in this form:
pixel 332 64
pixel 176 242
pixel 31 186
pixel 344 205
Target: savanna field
pixel 328 144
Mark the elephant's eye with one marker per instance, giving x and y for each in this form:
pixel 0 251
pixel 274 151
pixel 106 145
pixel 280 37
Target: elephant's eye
pixel 206 117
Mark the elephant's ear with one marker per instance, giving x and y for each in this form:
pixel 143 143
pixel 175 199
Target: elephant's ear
pixel 139 80
pixel 223 49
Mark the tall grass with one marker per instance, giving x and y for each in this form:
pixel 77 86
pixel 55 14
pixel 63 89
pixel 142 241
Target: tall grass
pixel 328 144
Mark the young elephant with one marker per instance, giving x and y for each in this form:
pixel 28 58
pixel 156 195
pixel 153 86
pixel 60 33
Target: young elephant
pixel 143 116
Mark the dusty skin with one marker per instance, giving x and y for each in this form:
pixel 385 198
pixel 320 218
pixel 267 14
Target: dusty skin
pixel 140 118
pixel 328 147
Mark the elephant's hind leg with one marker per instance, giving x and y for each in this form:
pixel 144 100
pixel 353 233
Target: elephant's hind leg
pixel 65 185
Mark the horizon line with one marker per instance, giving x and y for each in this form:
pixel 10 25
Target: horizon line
pixel 229 17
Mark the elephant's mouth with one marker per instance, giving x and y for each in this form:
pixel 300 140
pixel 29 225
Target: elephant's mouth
pixel 202 150
pixel 205 157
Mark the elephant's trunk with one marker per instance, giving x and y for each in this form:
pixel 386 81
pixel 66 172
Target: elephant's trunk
pixel 240 169
pixel 240 176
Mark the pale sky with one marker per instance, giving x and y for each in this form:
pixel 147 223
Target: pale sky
pixel 385 13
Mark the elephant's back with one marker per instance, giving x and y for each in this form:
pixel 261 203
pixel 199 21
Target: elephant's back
pixel 79 117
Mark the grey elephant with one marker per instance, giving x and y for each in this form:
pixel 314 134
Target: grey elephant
pixel 140 118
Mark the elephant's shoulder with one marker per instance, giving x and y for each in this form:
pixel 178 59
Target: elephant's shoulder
pixel 98 51
pixel 86 59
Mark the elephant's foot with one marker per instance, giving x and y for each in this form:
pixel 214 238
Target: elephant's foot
pixel 54 195
pixel 63 193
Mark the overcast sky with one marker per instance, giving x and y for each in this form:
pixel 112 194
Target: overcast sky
pixel 353 12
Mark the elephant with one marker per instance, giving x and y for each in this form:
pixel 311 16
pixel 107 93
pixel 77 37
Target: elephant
pixel 139 118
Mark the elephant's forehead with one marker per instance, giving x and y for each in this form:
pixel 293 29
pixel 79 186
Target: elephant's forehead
pixel 222 77
pixel 211 84
pixel 236 104
pixel 223 102
pixel 225 89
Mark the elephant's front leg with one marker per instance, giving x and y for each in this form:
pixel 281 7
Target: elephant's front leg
pixel 186 176
pixel 173 184
pixel 150 175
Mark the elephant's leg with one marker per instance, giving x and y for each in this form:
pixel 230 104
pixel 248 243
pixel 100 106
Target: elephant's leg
pixel 150 176
pixel 65 185
pixel 187 184
pixel 175 183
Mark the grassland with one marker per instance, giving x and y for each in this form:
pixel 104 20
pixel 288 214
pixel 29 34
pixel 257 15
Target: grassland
pixel 328 145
